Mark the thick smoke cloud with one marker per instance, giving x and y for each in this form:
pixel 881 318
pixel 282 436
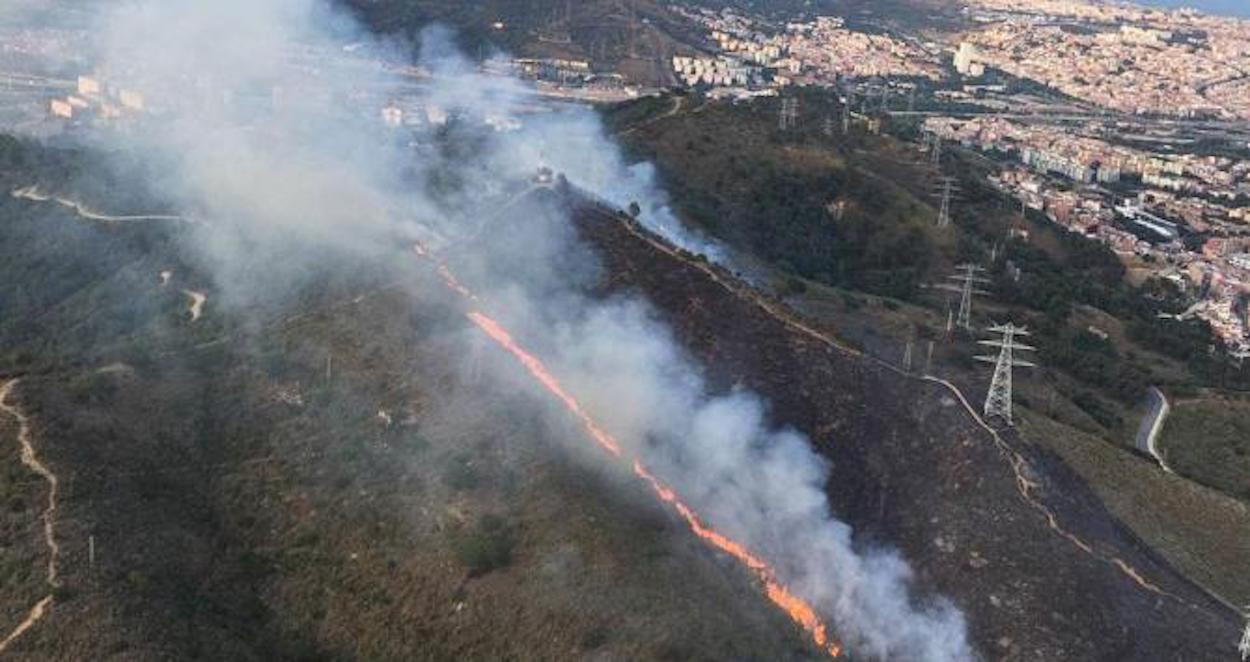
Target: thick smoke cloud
pixel 265 123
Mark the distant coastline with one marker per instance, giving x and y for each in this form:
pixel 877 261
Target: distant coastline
pixel 1235 8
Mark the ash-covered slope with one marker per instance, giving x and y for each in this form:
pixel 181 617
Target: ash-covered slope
pixel 1007 531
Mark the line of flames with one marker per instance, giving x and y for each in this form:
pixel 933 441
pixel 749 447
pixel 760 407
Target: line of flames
pixel 796 608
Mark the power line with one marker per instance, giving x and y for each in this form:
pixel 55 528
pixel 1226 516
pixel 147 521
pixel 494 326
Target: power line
pixel 789 116
pixel 944 212
pixel 966 281
pixel 1244 646
pixel 998 399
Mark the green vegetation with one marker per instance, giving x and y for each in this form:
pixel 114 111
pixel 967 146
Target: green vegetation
pixel 856 212
pixel 487 546
pixel 801 200
pixel 1200 531
pixel 1209 440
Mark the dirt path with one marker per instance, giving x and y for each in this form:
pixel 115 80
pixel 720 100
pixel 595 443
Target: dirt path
pixel 678 103
pixel 32 193
pixel 31 459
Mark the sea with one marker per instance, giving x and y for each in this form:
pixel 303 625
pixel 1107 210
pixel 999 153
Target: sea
pixel 1238 8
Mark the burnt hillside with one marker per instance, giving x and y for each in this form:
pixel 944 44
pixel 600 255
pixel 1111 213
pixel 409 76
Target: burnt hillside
pixel 913 468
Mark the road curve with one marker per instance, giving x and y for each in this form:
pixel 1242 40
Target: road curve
pixel 1152 425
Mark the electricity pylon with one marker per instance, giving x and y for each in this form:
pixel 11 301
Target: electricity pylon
pixel 966 282
pixel 1244 646
pixel 789 117
pixel 846 116
pixel 935 151
pixel 968 279
pixel 944 212
pixel 998 400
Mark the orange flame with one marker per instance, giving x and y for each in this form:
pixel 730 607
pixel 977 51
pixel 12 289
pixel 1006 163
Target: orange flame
pixel 540 373
pixel 795 607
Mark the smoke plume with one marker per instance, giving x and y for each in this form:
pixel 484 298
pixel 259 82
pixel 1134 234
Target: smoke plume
pixel 266 121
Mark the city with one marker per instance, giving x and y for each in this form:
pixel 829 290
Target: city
pixel 1172 214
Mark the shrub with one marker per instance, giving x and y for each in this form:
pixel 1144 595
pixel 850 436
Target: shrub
pixel 488 546
pixel 460 474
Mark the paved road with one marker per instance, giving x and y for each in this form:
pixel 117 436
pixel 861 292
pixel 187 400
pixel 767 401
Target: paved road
pixel 1152 425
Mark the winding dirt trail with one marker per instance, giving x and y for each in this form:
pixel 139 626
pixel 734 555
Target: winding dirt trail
pixel 31 459
pixel 678 103
pixel 32 193
pixel 1025 485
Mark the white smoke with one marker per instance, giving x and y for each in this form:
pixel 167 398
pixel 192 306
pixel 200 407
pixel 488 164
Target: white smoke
pixel 264 124
pixel 761 486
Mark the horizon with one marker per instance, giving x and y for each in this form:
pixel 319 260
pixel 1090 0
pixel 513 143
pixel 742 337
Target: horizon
pixel 1233 8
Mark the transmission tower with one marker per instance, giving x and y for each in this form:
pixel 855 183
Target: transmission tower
pixel 946 191
pixel 944 214
pixel 998 400
pixel 966 282
pixel 828 127
pixel 789 116
pixel 633 28
pixel 846 116
pixel 935 152
pixel 1244 646
pixel 907 356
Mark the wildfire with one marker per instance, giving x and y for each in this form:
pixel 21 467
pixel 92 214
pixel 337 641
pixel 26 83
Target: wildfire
pixel 795 607
pixel 540 373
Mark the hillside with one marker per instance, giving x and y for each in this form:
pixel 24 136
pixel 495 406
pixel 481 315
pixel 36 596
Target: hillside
pixel 856 212
pixel 306 476
pixel 632 37
pixel 1007 529
pixel 770 194
pixel 303 478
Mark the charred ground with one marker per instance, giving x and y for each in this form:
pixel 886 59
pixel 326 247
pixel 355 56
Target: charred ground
pixel 914 469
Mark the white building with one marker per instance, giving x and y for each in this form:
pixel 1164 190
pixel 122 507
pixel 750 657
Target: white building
pixel 965 58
